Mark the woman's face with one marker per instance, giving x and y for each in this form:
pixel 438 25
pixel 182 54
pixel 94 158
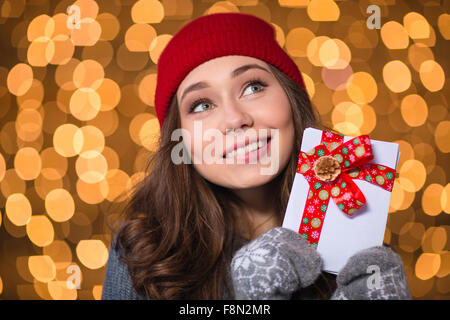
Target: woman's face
pixel 235 99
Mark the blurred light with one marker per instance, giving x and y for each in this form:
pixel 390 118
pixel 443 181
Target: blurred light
pixel 445 199
pixel 20 79
pixel 97 291
pixel 60 253
pixel 412 175
pixel 414 110
pixel 313 50
pixel 91 166
pixel 54 166
pixel 309 84
pixel 88 8
pixel 131 61
pixel 401 199
pixel 41 52
pixel 149 134
pixel 333 79
pixel 147 88
pixel 297 41
pixel 442 136
pixel 112 158
pixel 394 35
pixel 59 205
pixel 32 99
pixel 136 125
pixel 416 25
pixel 434 240
pixel 293 3
pixel 43 185
pixel 157 46
pixel 361 87
pixel 102 52
pixel 347 118
pixel 63 50
pixel 110 26
pixel 64 74
pixel 41 26
pixel 222 6
pixel 28 124
pixel 279 34
pixel 432 75
pixel 68 140
pixel 444 25
pixel 88 34
pixel 139 37
pixel 107 122
pixel 92 253
pixel 418 53
pixel 93 139
pixel 60 291
pixel 88 74
pixel 427 265
pixel 42 268
pixel 12 183
pixel 426 154
pixel 396 76
pixel 40 230
pixel 2 167
pixel 431 199
pixel 334 54
pixel 117 182
pixel 27 163
pixel 92 193
pixel 410 236
pixel 18 209
pixel 323 10
pixel 147 11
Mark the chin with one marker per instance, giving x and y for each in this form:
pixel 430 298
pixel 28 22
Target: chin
pixel 238 178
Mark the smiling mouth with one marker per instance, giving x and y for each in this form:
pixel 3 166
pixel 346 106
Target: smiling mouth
pixel 248 148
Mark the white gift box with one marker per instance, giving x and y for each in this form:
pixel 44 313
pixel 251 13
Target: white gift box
pixel 341 235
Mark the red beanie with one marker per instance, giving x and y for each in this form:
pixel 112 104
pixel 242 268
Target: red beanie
pixel 213 36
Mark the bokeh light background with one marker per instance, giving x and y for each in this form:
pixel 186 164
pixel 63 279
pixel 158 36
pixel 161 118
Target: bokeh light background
pixel 77 121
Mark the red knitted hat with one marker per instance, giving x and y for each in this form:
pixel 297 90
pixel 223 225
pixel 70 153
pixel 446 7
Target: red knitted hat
pixel 213 36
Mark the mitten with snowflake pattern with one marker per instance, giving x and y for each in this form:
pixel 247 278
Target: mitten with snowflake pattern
pixel 274 266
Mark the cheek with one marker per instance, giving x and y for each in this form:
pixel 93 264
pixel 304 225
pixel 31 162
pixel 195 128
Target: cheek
pixel 276 111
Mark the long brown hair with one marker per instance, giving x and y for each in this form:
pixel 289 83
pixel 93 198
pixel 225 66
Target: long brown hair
pixel 178 231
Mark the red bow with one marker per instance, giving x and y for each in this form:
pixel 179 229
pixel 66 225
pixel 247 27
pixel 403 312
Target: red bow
pixel 330 169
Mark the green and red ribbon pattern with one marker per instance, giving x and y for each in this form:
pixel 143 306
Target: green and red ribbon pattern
pixel 353 157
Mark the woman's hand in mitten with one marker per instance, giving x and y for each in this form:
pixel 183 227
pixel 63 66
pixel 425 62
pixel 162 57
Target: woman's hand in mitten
pixel 375 273
pixel 274 266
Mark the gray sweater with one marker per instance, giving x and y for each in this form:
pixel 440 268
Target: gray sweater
pixel 280 264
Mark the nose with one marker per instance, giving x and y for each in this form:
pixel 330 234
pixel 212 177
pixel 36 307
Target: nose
pixel 235 117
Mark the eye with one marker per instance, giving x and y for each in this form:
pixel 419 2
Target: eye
pixel 198 105
pixel 255 83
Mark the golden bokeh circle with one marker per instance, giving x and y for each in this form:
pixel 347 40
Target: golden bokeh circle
pixel 18 209
pixel 59 205
pixel 397 76
pixel 40 230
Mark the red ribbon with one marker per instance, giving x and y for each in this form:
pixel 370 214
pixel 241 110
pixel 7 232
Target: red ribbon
pixel 353 157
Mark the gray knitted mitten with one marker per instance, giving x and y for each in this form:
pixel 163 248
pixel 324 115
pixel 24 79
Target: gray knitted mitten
pixel 375 273
pixel 274 266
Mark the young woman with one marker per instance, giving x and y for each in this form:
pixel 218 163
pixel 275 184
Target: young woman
pixel 191 226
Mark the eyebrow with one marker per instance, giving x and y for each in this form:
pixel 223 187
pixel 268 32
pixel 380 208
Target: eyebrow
pixel 234 74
